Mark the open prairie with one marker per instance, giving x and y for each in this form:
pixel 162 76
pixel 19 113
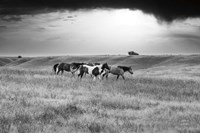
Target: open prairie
pixel 162 96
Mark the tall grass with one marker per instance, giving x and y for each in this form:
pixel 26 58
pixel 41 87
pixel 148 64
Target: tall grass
pixel 37 101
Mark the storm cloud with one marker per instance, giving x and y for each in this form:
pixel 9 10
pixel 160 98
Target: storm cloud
pixel 167 10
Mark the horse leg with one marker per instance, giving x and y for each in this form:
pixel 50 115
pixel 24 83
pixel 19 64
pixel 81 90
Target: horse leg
pixel 99 76
pixel 58 71
pixel 82 74
pixel 62 72
pixel 107 77
pixel 79 75
pixel 73 71
pixel 103 75
pixel 73 74
pixel 123 77
pixel 117 77
pixel 94 78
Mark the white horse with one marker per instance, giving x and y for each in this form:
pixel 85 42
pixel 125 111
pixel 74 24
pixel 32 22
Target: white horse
pixel 94 71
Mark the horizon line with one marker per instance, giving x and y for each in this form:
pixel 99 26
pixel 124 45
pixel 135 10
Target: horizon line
pixel 178 54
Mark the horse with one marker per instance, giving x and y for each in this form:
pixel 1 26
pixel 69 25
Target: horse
pixel 55 67
pixel 66 67
pixel 119 71
pixel 91 64
pixel 94 71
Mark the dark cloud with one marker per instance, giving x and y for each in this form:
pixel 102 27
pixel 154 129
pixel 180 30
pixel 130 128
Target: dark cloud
pixel 167 10
pixel 10 18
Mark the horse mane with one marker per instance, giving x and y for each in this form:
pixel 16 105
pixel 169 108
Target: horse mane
pixel 125 68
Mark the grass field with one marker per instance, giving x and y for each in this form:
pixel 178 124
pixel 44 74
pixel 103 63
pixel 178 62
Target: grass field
pixel 162 96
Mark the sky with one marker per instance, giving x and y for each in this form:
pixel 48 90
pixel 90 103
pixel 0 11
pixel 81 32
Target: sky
pixel 99 31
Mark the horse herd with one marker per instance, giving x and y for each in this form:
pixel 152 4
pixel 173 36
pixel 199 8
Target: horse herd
pixel 96 70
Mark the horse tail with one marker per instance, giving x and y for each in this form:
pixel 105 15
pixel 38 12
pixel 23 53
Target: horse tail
pixel 56 69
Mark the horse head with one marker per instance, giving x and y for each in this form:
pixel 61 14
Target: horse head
pixel 105 66
pixel 130 70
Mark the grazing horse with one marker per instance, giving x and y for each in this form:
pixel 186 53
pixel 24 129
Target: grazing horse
pixel 94 71
pixel 66 67
pixel 119 71
pixel 55 67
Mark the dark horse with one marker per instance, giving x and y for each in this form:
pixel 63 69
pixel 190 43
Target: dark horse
pixel 94 71
pixel 119 71
pixel 55 67
pixel 73 67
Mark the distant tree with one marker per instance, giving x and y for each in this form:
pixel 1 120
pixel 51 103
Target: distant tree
pixel 19 56
pixel 132 53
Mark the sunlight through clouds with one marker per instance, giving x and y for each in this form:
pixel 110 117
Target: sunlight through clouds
pixel 97 31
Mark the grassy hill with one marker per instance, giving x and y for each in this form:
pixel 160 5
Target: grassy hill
pixel 181 66
pixel 138 62
pixel 6 60
pixel 162 96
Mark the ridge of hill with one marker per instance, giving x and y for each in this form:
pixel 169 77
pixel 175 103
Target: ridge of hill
pixel 7 60
pixel 138 62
